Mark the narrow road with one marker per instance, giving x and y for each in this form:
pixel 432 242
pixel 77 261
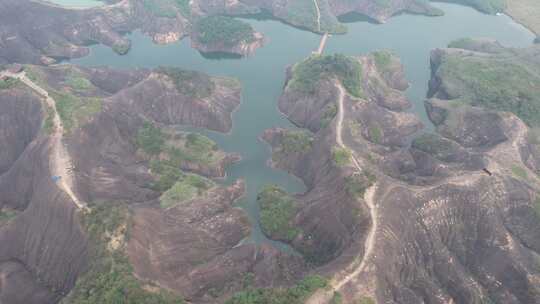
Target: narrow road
pixel 318 15
pixel 368 196
pixel 60 160
pixel 324 296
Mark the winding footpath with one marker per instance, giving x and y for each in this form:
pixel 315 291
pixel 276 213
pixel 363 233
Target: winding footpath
pixel 318 15
pixel 325 296
pixel 60 162
pixel 368 195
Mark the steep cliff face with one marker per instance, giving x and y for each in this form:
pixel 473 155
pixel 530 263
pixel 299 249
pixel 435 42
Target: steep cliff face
pixel 181 229
pixel 444 217
pixel 47 250
pixel 41 34
pixel 332 215
pixel 321 15
pixel 20 121
pixel 44 249
pixel 469 241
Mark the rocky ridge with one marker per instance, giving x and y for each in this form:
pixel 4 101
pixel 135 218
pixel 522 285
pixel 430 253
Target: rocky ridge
pixel 451 207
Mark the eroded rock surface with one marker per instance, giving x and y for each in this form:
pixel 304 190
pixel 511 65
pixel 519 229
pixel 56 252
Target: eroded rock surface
pixel 451 207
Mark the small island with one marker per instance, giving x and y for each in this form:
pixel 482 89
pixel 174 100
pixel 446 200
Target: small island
pixel 220 34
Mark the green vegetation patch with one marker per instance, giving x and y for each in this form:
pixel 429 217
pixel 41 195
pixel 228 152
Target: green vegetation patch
pixel 110 278
pixel 150 139
pixel 121 48
pixel 375 133
pixel 195 148
pixel 296 142
pixel 277 213
pixel 519 172
pixel 190 147
pixel 495 83
pixel 479 45
pixel 168 153
pixel 7 215
pixel 364 300
pixel 74 110
pixel 328 115
pixel 302 13
pixel 223 30
pixel 8 83
pixel 329 21
pixel 536 206
pixel 486 6
pixel 168 8
pixel 357 184
pixel 77 81
pixel 190 83
pixel 167 175
pixel 293 295
pixel 435 145
pixel 48 123
pixel 307 74
pixel 188 187
pixel 341 156
pixel 383 59
pixel 35 74
pixel 337 298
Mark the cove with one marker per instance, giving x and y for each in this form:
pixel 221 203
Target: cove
pixel 411 37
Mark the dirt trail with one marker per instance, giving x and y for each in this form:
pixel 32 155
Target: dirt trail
pixel 60 160
pixel 324 296
pixel 75 8
pixel 318 15
pixel 368 196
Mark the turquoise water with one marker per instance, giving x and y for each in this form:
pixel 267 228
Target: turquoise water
pixel 77 3
pixel 262 76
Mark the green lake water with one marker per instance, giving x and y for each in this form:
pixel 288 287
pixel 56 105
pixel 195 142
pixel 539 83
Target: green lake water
pixel 412 37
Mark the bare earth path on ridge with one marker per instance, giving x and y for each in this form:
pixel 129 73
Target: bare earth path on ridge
pixel 60 160
pixel 324 296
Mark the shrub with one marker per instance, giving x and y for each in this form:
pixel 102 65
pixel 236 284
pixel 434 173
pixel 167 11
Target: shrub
pixel 307 74
pixel 48 123
pixel 277 213
pixel 77 81
pixel 375 134
pixel 356 185
pixel 6 215
pixel 328 116
pixel 293 295
pixel 150 139
pixel 8 83
pixel 435 145
pixel 364 300
pixel 190 83
pixel 296 142
pixel 223 30
pixel 186 188
pixel 382 59
pixel 121 48
pixel 196 148
pixel 337 298
pixel 74 110
pixel 110 278
pixel 167 175
pixel 495 83
pixel 341 156
pixel 519 172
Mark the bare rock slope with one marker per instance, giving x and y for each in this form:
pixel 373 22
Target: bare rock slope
pixel 453 214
